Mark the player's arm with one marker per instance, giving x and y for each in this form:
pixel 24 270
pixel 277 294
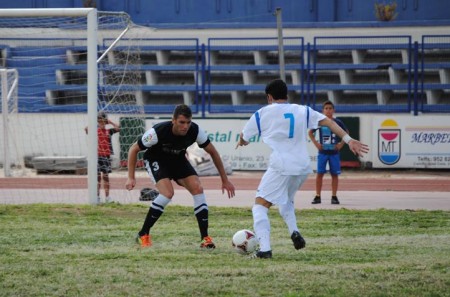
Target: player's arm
pixel 355 146
pixel 341 143
pixel 251 129
pixel 147 140
pixel 132 159
pixel 241 141
pixel 217 160
pixel 116 127
pixel 311 134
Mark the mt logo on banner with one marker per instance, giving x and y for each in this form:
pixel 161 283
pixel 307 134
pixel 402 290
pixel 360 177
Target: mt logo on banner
pixel 389 142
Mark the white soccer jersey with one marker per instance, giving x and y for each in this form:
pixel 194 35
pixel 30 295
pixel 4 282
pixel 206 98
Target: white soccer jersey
pixel 284 128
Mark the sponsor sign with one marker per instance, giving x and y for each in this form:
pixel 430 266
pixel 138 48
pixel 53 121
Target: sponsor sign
pixel 411 142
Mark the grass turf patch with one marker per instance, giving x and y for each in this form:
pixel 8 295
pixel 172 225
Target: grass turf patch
pixel 68 250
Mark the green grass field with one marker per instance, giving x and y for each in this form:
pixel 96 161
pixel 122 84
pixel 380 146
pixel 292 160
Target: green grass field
pixel 67 250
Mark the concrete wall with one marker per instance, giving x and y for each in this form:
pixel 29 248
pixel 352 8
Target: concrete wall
pixel 63 135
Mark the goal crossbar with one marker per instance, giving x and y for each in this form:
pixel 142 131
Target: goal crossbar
pixel 46 12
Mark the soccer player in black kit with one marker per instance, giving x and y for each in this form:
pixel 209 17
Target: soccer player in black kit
pixel 165 159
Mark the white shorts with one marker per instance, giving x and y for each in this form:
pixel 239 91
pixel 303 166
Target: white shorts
pixel 279 189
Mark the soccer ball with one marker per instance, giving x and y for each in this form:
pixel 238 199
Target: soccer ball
pixel 245 242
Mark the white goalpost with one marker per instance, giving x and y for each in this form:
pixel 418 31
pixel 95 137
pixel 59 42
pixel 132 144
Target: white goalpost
pixel 9 84
pixel 68 64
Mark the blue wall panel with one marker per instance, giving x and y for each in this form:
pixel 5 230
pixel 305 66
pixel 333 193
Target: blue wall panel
pixel 213 11
pixel 249 11
pixel 428 10
pixel 17 4
pixel 353 10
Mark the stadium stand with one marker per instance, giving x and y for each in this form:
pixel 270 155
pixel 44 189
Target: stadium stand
pixel 377 76
pixel 227 75
pixel 365 70
pixel 435 71
pixel 238 68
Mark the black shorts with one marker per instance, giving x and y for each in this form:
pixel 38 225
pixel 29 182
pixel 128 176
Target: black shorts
pixel 175 168
pixel 104 165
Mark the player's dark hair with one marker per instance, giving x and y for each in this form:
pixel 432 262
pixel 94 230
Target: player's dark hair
pixel 277 88
pixel 328 102
pixel 183 110
pixel 101 115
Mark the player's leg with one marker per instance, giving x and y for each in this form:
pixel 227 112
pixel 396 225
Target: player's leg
pixel 187 177
pixel 335 170
pixel 271 190
pixel 99 184
pixel 287 211
pixel 319 183
pixel 106 187
pixel 155 211
pixel 159 175
pixel 106 171
pixel 99 177
pixel 334 184
pixel 201 211
pixel 321 170
pixel 102 169
pixel 261 225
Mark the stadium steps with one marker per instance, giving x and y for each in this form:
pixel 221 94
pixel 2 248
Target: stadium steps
pixel 36 67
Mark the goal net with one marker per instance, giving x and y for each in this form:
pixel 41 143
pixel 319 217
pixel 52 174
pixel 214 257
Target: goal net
pixel 59 68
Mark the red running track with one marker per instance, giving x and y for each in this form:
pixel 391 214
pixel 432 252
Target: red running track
pixel 354 181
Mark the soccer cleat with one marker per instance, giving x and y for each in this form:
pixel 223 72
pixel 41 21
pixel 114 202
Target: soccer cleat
pixel 316 200
pixel 108 199
pixel 207 243
pixel 99 200
pixel 261 255
pixel 334 200
pixel 144 241
pixel 298 240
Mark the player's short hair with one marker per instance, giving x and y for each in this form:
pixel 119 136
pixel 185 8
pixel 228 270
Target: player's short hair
pixel 183 110
pixel 101 115
pixel 328 102
pixel 277 88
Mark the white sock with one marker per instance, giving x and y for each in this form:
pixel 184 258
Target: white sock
pixel 160 202
pixel 287 212
pixel 261 224
pixel 199 203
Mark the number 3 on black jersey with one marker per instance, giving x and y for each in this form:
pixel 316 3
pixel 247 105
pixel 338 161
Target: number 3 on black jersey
pixel 155 166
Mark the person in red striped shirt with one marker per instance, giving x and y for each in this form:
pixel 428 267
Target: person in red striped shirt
pixel 105 150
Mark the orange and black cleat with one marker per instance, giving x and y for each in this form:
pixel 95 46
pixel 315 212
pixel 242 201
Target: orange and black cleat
pixel 207 243
pixel 144 241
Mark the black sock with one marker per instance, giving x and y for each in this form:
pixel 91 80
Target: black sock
pixel 151 218
pixel 202 219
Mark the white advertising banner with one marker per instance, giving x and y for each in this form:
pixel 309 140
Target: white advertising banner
pixel 411 142
pixel 224 134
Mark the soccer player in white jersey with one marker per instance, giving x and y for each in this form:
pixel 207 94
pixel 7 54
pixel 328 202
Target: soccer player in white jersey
pixel 284 128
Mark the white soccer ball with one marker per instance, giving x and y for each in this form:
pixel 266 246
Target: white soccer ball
pixel 245 242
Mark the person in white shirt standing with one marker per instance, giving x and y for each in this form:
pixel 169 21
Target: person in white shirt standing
pixel 284 128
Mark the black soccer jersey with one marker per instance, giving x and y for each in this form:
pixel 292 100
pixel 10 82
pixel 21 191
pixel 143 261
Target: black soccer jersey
pixel 160 142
